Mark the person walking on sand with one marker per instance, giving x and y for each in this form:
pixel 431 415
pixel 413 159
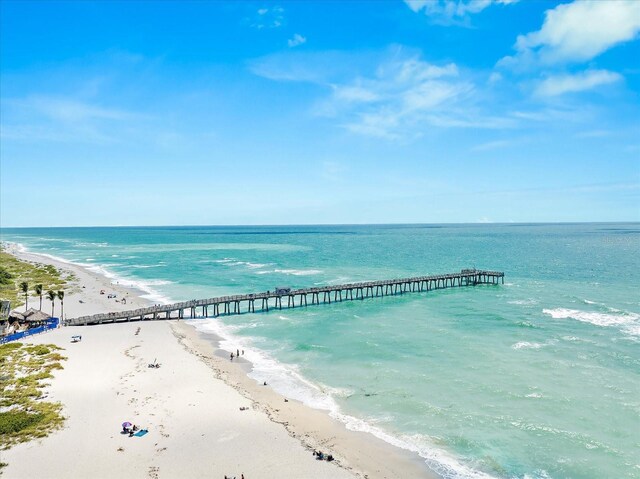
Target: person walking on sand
pixel 237 353
pixel 231 356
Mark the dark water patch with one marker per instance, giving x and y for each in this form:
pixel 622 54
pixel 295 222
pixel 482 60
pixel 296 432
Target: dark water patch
pixel 618 231
pixel 525 324
pixel 267 233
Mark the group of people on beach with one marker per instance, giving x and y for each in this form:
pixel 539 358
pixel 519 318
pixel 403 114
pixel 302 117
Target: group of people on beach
pixel 320 456
pixel 131 430
pixel 237 355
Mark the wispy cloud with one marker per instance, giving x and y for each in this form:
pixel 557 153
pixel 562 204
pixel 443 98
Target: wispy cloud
pixel 452 12
pixel 267 17
pixel 67 109
pixel 62 119
pixel 296 40
pixel 560 84
pixel 400 96
pixel 576 32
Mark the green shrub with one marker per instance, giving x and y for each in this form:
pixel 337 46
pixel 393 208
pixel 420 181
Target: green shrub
pixel 22 373
pixel 13 422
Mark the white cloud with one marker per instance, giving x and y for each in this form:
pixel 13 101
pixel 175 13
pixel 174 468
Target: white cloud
pixel 560 84
pixel 296 40
pixel 495 77
pixel 452 11
pixel 321 67
pixel 354 93
pixel 267 18
pixel 397 96
pixel 577 32
pixel 379 125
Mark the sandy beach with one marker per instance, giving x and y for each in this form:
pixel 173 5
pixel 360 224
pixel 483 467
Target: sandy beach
pixel 191 406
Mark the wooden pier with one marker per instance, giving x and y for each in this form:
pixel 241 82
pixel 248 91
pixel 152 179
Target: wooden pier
pixel 278 299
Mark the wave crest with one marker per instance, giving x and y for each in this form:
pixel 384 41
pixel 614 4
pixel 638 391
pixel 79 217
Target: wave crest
pixel 627 322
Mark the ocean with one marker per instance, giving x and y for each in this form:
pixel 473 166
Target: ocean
pixel 536 378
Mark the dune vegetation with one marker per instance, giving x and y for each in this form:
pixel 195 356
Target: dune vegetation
pixel 24 412
pixel 14 273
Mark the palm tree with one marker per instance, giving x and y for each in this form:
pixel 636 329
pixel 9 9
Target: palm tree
pixel 24 287
pixel 51 296
pixel 61 298
pixel 38 290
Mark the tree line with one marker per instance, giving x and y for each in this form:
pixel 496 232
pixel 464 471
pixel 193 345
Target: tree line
pixel 39 290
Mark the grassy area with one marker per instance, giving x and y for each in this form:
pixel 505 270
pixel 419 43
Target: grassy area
pixel 24 415
pixel 14 271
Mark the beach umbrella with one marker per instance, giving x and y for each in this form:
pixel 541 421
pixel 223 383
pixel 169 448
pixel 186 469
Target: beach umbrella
pixel 126 424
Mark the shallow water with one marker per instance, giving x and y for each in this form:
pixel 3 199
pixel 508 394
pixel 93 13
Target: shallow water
pixel 539 377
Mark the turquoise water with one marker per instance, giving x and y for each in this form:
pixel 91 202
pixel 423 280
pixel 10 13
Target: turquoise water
pixel 536 378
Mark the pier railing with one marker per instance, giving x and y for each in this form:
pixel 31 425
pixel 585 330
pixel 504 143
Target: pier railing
pixel 226 305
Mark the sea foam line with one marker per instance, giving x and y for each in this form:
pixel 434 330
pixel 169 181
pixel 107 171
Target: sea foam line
pixel 628 322
pixel 144 286
pixel 526 345
pixel 293 272
pixel 287 380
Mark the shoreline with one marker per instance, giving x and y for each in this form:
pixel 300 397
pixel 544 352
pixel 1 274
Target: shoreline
pixel 360 454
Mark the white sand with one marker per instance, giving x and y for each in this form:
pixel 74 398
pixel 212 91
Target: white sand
pixel 190 406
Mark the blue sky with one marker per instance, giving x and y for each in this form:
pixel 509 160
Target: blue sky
pixel 152 113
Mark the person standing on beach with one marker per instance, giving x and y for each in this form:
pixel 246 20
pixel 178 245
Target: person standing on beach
pixel 231 356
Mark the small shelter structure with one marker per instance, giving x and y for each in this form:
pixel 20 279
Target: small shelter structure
pixel 19 320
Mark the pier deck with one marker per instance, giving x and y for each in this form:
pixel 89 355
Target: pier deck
pixel 226 305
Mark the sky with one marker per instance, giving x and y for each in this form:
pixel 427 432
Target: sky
pixel 229 113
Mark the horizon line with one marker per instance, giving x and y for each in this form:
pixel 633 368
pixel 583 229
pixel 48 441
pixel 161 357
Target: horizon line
pixel 476 223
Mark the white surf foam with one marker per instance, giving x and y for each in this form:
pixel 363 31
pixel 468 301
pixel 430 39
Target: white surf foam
pixel 523 302
pixel 292 272
pixel 100 269
pixel 298 272
pixel 223 260
pixel 526 345
pixel 146 266
pixel 627 322
pixel 287 380
pixel 248 264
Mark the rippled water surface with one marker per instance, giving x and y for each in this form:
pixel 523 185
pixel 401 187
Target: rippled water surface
pixel 536 378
